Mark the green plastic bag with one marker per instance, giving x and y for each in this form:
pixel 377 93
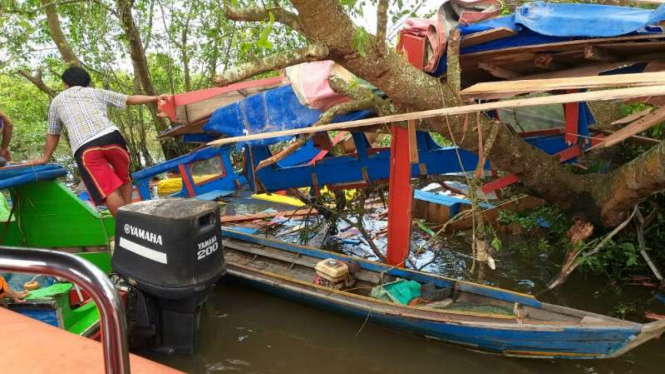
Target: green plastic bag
pixel 401 291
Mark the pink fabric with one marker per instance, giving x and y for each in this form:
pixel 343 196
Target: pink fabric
pixel 417 26
pixel 450 14
pixel 310 82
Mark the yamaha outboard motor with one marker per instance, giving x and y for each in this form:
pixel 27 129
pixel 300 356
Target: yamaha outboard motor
pixel 170 253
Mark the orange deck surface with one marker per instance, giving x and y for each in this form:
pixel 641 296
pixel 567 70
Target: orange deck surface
pixel 28 346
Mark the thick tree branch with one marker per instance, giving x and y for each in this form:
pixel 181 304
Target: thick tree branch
pixel 36 79
pixel 454 72
pixel 627 186
pixel 57 35
pixel 382 20
pixel 137 54
pixel 313 52
pixel 359 93
pixel 280 15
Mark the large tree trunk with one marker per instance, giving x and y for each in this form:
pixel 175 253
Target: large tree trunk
pixel 142 72
pixel 55 29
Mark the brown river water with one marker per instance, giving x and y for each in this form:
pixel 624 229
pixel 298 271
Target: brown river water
pixel 247 331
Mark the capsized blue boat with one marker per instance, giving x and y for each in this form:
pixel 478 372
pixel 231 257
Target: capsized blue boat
pixel 474 316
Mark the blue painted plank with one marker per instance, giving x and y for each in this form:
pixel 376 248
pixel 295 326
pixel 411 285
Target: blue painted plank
pixel 214 194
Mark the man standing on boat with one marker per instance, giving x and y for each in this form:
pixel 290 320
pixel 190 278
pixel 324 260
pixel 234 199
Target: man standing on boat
pixel 99 149
pixel 6 128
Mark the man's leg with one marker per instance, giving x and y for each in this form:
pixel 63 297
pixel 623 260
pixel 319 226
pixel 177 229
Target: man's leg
pixel 99 178
pixel 118 157
pixel 114 201
pixel 126 192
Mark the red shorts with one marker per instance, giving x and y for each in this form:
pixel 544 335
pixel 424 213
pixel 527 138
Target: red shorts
pixel 104 165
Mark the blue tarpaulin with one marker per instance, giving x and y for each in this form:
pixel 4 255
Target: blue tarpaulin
pixel 544 23
pixel 18 175
pixel 272 110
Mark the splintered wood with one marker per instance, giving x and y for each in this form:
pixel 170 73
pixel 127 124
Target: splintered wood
pixel 500 90
pixel 642 124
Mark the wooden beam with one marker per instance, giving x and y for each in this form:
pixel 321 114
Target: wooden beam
pixel 617 94
pixel 561 46
pixel 413 142
pixel 598 54
pixel 486 36
pixel 634 128
pixel 582 71
pixel 498 71
pixel 504 89
pixel 633 117
pixel 636 138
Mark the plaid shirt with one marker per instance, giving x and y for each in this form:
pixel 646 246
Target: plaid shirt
pixel 83 112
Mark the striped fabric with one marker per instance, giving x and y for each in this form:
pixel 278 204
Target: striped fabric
pixel 83 112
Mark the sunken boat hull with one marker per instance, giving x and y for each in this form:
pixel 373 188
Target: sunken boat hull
pixel 481 318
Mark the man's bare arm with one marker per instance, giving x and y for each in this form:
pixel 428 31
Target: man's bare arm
pixel 143 99
pixel 51 144
pixel 7 131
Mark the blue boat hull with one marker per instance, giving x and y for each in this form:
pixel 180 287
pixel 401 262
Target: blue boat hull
pixel 566 343
pixel 477 332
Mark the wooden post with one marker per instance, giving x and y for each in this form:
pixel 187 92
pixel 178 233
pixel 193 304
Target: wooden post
pixel 572 113
pixel 400 198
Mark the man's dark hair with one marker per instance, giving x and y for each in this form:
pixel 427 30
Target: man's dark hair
pixel 76 76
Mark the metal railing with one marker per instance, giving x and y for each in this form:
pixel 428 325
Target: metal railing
pixel 91 279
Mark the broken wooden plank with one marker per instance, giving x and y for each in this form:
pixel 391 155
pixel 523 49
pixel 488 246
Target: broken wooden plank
pixel 638 139
pixel 413 142
pixel 634 128
pixel 504 89
pixel 654 66
pixel 196 111
pixel 192 128
pixel 617 94
pixel 259 216
pixel 582 71
pixel 487 36
pixel 631 118
pixel 561 46
pixel 498 71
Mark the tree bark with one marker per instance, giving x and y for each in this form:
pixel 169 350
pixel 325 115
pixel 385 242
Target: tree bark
pixel 142 72
pixel 382 20
pixel 314 52
pixel 55 29
pixel 36 79
pixel 262 15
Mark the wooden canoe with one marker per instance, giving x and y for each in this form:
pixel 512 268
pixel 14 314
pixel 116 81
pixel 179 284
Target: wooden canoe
pixel 480 317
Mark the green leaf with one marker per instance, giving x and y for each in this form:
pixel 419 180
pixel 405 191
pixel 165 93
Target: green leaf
pixel 426 229
pixel 632 260
pixel 263 41
pixel 496 243
pixel 359 41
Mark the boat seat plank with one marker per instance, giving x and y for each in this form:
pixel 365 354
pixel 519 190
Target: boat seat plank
pixel 361 275
pixel 27 347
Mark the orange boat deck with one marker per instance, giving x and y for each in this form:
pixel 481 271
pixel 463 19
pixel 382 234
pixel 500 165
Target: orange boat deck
pixel 28 346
